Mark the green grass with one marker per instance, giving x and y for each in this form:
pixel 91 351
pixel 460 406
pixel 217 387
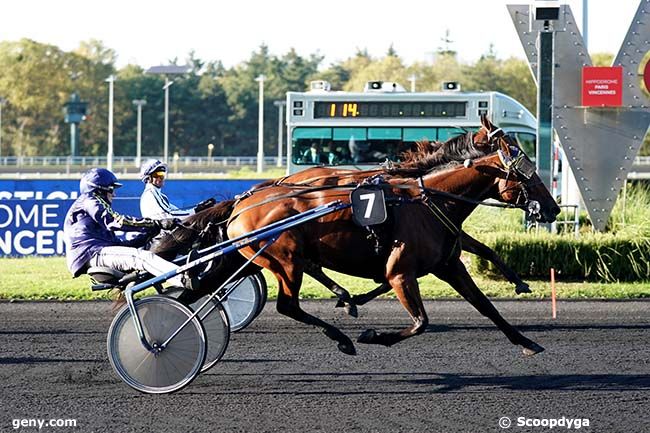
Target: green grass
pixel 48 278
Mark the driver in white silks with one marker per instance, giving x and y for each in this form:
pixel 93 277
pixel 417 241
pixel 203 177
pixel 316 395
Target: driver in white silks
pixel 153 203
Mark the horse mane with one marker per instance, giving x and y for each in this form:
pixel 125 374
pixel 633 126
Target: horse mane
pixel 182 236
pixel 435 156
pixel 219 212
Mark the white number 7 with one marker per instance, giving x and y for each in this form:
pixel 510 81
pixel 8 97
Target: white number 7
pixel 371 200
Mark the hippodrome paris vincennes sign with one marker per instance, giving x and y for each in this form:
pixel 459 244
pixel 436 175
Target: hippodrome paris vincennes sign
pixel 602 86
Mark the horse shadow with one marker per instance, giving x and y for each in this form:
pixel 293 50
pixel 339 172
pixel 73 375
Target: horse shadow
pixel 452 382
pixel 400 383
pixel 7 360
pixel 440 328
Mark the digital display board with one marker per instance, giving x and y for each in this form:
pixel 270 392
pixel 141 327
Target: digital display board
pixel 393 109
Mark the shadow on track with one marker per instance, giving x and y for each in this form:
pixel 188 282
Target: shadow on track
pixel 33 360
pixel 535 328
pixel 564 382
pixel 398 383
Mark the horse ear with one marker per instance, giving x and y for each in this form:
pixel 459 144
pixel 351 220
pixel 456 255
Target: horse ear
pixel 486 122
pixel 503 145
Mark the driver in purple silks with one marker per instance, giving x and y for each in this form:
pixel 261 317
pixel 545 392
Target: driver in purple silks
pixel 89 232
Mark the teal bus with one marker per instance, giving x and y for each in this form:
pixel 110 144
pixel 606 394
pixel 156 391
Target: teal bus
pixel 364 129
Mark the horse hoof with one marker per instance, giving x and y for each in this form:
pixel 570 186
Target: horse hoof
pixel 351 309
pixel 339 304
pixel 347 348
pixel 533 349
pixel 522 288
pixel 367 337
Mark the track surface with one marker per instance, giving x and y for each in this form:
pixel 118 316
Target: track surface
pixel 460 376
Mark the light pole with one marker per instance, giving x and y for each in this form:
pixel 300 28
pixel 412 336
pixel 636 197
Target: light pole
pixel 167 70
pixel 260 126
pixel 166 87
pixel 413 78
pixel 138 151
pixel 3 101
pixel 109 155
pixel 280 105
pixel 210 148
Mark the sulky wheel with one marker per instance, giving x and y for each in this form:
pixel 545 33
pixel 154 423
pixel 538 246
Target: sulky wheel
pixel 243 304
pixel 216 326
pixel 174 366
pixel 261 285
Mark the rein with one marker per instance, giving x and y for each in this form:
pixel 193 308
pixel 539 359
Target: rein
pixel 456 197
pixel 304 189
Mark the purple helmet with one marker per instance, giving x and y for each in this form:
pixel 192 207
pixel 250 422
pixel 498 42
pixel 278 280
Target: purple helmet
pixel 98 179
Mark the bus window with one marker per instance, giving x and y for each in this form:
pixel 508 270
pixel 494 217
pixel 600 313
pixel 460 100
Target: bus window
pixel 445 134
pixel 384 133
pixel 420 134
pixel 309 144
pixel 351 145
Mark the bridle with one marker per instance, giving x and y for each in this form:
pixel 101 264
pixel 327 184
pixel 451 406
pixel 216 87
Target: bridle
pixel 516 163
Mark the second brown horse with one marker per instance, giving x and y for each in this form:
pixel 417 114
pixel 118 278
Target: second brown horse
pixel 420 243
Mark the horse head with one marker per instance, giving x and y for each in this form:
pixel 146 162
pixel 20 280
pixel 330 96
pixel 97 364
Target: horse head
pixel 519 182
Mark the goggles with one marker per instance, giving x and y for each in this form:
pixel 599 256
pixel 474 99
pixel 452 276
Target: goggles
pixel 159 174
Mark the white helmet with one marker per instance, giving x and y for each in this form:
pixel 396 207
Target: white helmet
pixel 151 166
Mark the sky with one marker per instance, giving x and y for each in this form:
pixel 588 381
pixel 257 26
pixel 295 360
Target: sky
pixel 149 33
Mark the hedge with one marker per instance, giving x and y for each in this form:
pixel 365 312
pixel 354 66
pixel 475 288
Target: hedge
pixel 592 257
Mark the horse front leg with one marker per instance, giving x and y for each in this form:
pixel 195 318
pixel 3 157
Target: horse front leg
pixel 344 299
pixel 473 246
pixel 455 273
pixel 408 292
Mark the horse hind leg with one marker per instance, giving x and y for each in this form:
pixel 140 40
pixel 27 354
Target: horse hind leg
pixel 344 298
pixel 408 292
pixel 367 297
pixel 289 280
pixel 456 275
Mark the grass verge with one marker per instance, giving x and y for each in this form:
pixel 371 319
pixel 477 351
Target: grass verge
pixel 41 278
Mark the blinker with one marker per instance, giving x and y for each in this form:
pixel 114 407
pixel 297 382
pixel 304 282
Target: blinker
pixel 524 166
pixel 505 159
pixel 517 162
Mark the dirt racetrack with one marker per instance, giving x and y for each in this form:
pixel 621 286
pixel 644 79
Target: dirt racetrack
pixel 462 375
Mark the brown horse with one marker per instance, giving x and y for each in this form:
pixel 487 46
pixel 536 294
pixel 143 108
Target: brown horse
pixel 426 154
pixel 420 243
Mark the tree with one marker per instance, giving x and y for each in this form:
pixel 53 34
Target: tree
pixel 290 72
pixel 390 68
pixel 340 74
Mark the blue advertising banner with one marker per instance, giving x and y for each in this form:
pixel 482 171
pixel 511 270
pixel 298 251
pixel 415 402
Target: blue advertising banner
pixel 32 211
